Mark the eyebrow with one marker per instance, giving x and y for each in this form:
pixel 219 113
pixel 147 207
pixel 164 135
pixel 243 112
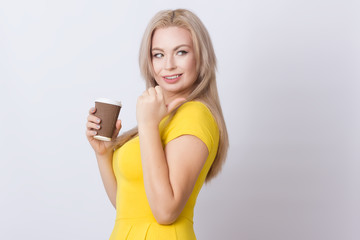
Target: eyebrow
pixel 177 47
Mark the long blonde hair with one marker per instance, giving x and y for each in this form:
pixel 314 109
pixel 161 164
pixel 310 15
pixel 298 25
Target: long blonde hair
pixel 205 89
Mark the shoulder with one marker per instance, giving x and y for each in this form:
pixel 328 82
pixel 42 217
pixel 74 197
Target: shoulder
pixel 193 118
pixel 194 108
pixel 194 112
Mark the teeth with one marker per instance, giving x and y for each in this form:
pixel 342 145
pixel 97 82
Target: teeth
pixel 173 77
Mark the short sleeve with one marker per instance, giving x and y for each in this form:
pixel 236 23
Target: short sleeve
pixel 192 118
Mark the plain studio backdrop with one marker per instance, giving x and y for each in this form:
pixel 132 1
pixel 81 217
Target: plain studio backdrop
pixel 288 79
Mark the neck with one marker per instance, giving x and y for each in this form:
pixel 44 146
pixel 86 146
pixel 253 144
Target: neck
pixel 170 96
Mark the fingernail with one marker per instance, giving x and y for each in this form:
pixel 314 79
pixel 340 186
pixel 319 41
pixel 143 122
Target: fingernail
pixel 97 126
pixel 98 120
pixel 94 132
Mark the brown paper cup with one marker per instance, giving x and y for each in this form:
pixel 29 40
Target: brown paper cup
pixel 108 111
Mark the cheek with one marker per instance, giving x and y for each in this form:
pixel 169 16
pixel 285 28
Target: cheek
pixel 191 66
pixel 156 67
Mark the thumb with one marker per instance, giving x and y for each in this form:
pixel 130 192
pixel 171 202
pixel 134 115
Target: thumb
pixel 118 126
pixel 175 103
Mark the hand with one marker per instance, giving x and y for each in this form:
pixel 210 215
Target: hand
pixel 151 107
pixel 92 125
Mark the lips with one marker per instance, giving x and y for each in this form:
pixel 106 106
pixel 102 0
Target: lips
pixel 172 78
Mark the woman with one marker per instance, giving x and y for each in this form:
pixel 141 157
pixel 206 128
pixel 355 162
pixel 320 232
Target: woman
pixel 157 169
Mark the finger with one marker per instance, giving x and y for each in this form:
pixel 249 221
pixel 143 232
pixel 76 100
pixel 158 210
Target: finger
pixel 94 119
pixel 90 133
pixel 151 91
pixel 158 91
pixel 118 124
pixel 92 110
pixel 117 128
pixel 145 93
pixel 175 103
pixel 92 126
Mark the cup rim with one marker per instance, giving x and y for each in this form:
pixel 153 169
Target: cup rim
pixel 109 101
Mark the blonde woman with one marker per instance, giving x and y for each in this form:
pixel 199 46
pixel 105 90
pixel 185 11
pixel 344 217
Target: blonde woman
pixel 156 171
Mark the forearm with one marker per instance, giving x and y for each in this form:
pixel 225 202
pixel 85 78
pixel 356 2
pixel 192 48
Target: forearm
pixel 157 182
pixel 107 176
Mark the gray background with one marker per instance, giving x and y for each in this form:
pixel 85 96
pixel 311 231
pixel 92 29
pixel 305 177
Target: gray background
pixel 288 77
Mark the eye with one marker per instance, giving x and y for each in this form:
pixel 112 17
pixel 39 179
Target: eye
pixel 158 55
pixel 182 52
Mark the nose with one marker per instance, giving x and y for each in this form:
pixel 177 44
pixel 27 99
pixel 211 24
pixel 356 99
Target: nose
pixel 170 63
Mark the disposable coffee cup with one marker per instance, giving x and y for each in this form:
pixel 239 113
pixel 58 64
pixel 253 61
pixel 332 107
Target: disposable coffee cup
pixel 108 111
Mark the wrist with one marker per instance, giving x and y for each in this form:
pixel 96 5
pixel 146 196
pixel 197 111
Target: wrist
pixel 104 156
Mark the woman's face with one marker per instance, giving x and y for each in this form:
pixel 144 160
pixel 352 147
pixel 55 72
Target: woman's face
pixel 173 60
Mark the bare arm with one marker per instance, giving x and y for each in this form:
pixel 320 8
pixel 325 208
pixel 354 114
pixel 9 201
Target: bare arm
pixel 104 154
pixel 108 177
pixel 170 174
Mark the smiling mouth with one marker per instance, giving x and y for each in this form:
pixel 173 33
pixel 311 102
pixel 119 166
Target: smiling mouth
pixel 172 77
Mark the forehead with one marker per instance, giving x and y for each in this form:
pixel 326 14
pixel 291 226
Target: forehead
pixel 170 37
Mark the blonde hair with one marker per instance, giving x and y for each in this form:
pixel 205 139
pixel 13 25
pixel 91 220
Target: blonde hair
pixel 205 89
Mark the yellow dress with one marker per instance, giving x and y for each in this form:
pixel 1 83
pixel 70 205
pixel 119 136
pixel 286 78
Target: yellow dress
pixel 134 219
